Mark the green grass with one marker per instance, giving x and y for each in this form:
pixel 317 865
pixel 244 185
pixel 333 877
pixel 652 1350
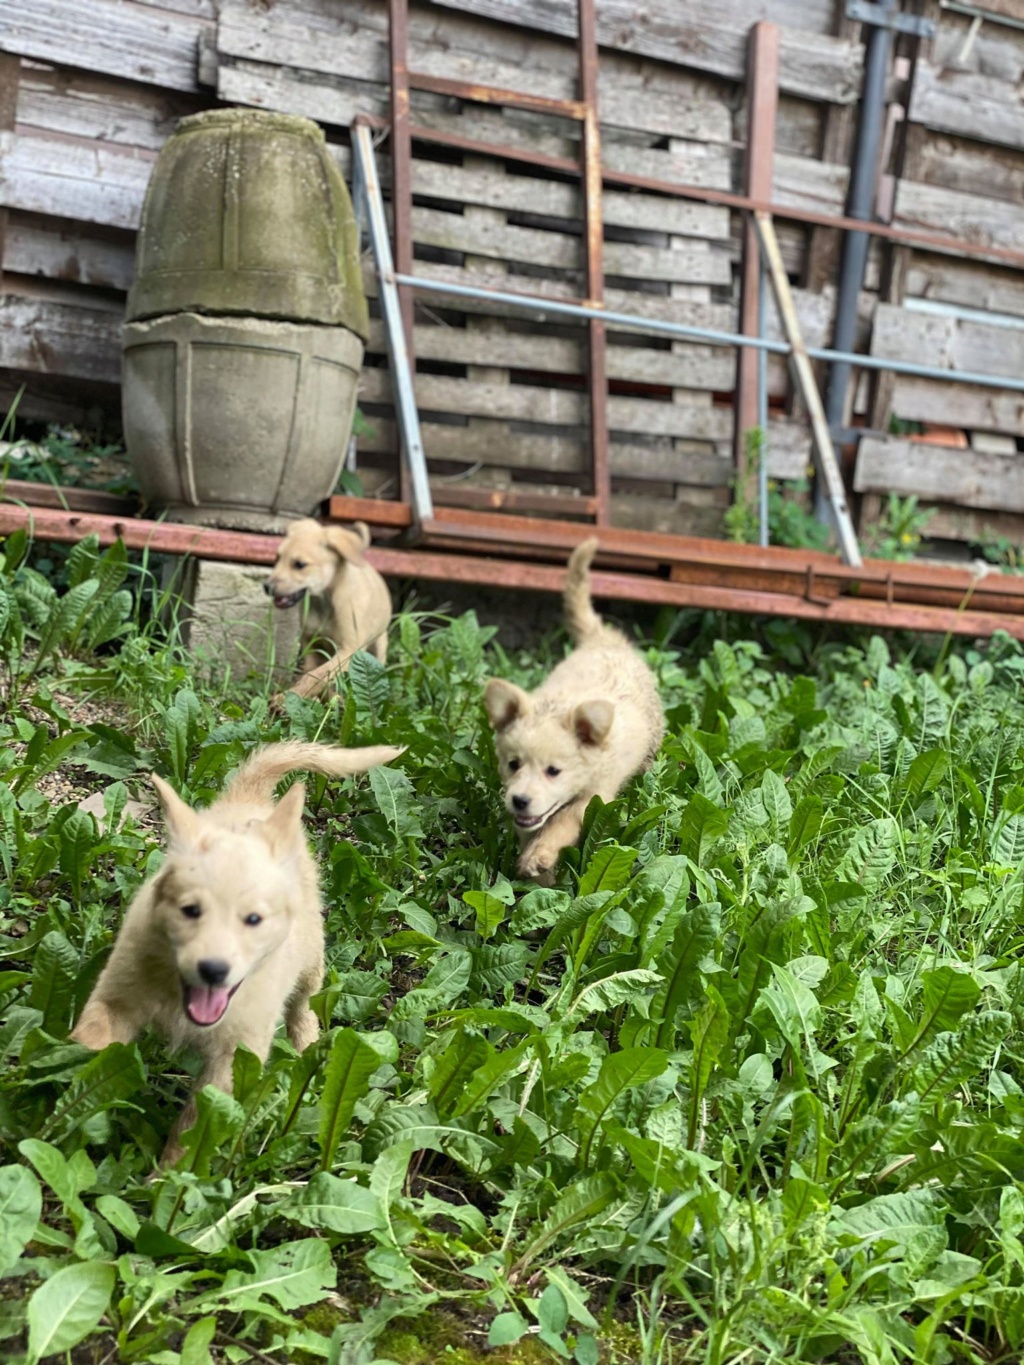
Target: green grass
pixel 745 1086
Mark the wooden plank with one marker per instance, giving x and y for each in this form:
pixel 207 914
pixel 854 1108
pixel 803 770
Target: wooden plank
pixel 87 182
pixel 453 232
pixel 975 527
pixel 562 454
pixel 555 199
pixel 138 41
pixel 81 105
pixel 961 405
pixel 938 473
pixel 553 407
pixel 312 36
pixel 968 283
pixel 707 35
pixel 37 334
pixel 62 251
pixel 969 103
pixel 956 343
pixel 693 367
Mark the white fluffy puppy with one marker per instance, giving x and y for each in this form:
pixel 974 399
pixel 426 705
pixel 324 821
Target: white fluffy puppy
pixel 228 935
pixel 593 723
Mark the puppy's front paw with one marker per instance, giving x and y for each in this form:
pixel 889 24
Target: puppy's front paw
pixel 95 1028
pixel 538 862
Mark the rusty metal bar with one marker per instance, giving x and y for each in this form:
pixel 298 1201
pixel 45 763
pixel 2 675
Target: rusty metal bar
pixel 401 182
pixel 593 228
pixel 762 112
pixel 249 548
pixel 493 94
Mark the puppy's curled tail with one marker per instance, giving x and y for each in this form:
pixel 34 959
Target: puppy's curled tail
pixel 581 620
pixel 256 779
pixel 361 529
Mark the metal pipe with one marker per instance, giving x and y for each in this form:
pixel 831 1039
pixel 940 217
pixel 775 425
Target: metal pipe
pixel 369 199
pixel 531 304
pixel 860 206
pixel 593 231
pixel 762 400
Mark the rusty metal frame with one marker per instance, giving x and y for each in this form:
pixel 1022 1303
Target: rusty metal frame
pixel 703 574
pixel 584 111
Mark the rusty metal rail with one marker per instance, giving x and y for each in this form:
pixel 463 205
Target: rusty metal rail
pixel 664 570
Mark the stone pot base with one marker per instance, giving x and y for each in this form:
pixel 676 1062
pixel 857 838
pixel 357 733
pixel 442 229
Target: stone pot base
pixel 237 422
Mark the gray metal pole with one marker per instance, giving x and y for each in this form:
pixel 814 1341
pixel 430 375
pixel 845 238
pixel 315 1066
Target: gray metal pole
pixel 860 205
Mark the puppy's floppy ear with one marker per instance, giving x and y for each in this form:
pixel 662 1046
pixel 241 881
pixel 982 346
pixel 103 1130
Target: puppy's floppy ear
pixel 348 544
pixel 280 828
pixel 181 820
pixel 592 720
pixel 505 703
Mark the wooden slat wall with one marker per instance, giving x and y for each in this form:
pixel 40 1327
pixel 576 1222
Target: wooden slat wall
pixel 102 83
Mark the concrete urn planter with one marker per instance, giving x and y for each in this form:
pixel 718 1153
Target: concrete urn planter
pixel 246 322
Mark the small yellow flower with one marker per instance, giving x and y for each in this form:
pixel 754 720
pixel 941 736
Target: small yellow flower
pixel 906 538
pixel 867 682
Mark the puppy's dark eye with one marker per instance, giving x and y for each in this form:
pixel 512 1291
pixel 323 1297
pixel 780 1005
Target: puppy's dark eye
pixel 552 771
pixel 253 919
pixel 298 563
pixel 514 765
pixel 192 911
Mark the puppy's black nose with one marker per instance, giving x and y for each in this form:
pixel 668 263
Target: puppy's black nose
pixel 268 588
pixel 213 971
pixel 520 802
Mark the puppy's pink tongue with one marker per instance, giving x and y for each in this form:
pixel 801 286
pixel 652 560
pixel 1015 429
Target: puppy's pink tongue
pixel 206 1004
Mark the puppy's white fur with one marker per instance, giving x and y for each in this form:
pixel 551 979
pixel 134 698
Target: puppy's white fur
pixel 238 889
pixel 593 723
pixel 349 602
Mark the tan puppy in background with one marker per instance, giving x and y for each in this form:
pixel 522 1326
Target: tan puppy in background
pixel 593 723
pixel 349 602
pixel 228 935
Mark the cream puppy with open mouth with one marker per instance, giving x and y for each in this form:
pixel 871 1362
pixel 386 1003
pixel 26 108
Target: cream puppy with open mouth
pixel 594 722
pixel 228 936
pixel 349 602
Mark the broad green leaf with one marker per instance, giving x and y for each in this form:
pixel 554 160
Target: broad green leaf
pixel 78 838
pixel 105 1081
pixel 703 824
pixel 694 940
pixel 925 773
pixel 67 1307
pixel 612 991
pixel 198 1339
pixel 218 1118
pixel 506 1329
pixel 620 1071
pixel 54 974
pixel 710 1033
pixel 490 911
pixel 948 994
pixel 952 1059
pixel 331 1204
pixel 350 1064
pixel 575 1297
pixel 776 799
pixel 293 1274
pixel 608 869
pixel 455 1068
pixel 582 1202
pixel 805 823
pixel 397 801
pixel 1008 841
pixel 891 1218
pixel 793 1005
pixel 21 1204
pixel 498 1068
pixel 870 855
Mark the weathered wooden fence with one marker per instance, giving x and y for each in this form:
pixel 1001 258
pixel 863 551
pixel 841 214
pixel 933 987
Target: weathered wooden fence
pixel 90 90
